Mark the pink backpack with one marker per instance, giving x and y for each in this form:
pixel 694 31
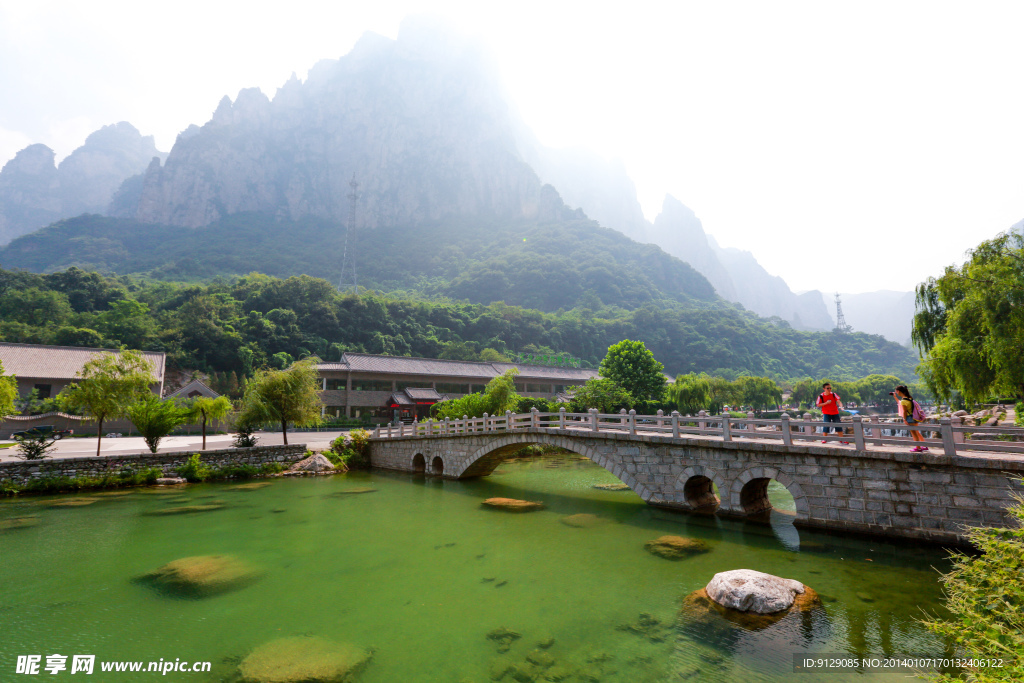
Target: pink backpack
pixel 918 413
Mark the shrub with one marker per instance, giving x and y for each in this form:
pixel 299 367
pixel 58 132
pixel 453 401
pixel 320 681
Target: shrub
pixel 352 450
pixel 986 596
pixel 195 470
pixel 245 436
pixel 1018 410
pixel 35 447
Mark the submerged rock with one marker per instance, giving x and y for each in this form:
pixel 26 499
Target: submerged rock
pixel 253 486
pixel 12 523
pixel 186 509
pixel 357 489
pixel 74 502
pixel 304 659
pixel 170 481
pixel 646 626
pixel 676 547
pixel 201 576
pixel 114 494
pixel 513 505
pixel 583 521
pixel 612 487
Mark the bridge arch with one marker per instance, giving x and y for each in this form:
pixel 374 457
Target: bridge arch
pixel 437 465
pixel 485 459
pixel 419 463
pixel 749 492
pixel 697 486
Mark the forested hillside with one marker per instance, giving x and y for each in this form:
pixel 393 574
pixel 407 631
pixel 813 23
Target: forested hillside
pixel 244 323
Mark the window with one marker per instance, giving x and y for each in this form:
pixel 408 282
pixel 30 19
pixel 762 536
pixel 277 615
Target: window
pixel 364 411
pixel 335 384
pixel 43 390
pixel 477 388
pixel 371 385
pixel 520 388
pixel 538 388
pixel 559 388
pixel 446 388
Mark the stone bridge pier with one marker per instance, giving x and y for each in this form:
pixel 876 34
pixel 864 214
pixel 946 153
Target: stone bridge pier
pixel 908 495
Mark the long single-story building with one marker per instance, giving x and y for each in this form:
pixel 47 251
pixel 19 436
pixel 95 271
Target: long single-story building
pixel 49 369
pixel 385 387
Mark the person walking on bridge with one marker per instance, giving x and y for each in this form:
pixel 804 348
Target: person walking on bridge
pixel 830 403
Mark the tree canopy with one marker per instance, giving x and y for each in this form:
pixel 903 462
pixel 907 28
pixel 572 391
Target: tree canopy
pixel 109 384
pixel 969 324
pixel 284 397
pixel 497 397
pixel 155 419
pixel 632 366
pixel 207 408
pixel 8 393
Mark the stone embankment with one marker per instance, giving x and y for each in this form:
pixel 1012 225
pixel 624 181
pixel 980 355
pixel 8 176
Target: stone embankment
pixel 23 471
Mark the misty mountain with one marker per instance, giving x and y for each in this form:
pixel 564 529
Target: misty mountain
pixel 35 192
pixel 888 313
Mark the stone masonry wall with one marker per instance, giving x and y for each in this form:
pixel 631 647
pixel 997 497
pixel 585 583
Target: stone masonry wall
pixel 22 471
pixel 912 495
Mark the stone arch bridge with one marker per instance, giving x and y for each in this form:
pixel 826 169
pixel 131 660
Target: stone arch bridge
pixel 881 492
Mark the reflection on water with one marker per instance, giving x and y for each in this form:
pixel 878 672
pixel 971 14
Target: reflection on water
pixel 415 568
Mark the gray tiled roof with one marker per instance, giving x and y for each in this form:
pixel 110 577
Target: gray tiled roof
pixel 422 394
pixel 60 362
pixel 399 398
pixel 194 385
pixel 401 365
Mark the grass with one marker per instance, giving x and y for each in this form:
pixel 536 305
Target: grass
pixel 7 445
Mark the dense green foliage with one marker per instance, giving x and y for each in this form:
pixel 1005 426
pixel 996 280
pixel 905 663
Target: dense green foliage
pixel 633 367
pixel 204 409
pixel 985 594
pixel 351 451
pixel 241 325
pixel 969 324
pixel 604 394
pixel 126 477
pixel 195 470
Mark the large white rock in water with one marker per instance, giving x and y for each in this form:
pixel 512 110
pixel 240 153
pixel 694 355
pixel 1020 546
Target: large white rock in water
pixel 317 462
pixel 749 591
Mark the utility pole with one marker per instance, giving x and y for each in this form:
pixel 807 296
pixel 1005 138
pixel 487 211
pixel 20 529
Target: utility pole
pixel 841 325
pixel 350 235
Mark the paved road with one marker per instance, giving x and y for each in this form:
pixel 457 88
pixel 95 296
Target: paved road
pixel 83 447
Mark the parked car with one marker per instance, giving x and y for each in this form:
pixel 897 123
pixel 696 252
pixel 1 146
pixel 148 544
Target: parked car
pixel 113 435
pixel 42 430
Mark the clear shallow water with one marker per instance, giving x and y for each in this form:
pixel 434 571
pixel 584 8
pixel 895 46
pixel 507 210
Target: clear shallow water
pixel 420 572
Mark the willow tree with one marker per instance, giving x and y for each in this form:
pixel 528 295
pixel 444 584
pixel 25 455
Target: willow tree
pixel 8 393
pixel 969 324
pixel 690 393
pixel 289 396
pixel 108 385
pixel 206 409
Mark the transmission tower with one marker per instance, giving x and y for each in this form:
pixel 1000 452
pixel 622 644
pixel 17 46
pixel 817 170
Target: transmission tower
pixel 841 325
pixel 350 234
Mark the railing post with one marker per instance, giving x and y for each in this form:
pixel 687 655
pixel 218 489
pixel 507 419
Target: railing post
pixel 726 427
pixel 876 430
pixel 787 434
pixel 807 429
pixel 486 427
pixel 701 423
pixel 593 419
pixel 958 437
pixel 946 427
pixel 632 422
pixel 430 427
pixel 534 418
pixel 508 420
pixel 625 419
pixel 661 419
pixel 858 433
pixel 561 418
pixel 675 424
pixel 376 431
pixel 465 424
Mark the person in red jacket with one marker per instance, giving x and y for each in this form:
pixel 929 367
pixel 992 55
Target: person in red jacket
pixel 830 404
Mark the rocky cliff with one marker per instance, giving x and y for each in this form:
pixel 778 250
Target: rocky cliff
pixel 417 121
pixel 34 192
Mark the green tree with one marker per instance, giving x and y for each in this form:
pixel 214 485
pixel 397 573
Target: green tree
pixel 498 396
pixel 690 393
pixel 8 393
pixel 758 392
pixel 875 389
pixel 633 367
pixel 722 392
pixel 109 383
pixel 285 397
pixel 604 394
pixel 969 324
pixel 155 419
pixel 985 594
pixel 206 408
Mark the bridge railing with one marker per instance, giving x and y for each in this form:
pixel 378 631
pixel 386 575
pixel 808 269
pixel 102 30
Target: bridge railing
pixel 948 435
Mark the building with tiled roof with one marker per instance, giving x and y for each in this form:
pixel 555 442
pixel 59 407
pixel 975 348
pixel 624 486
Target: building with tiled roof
pixel 194 389
pixel 49 369
pixel 368 385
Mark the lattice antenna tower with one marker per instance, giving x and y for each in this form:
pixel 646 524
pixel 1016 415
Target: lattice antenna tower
pixel 353 196
pixel 841 325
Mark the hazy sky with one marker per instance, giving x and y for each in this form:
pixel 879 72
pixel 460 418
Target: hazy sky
pixel 849 145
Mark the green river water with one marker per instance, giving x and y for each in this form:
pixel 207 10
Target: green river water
pixel 420 572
